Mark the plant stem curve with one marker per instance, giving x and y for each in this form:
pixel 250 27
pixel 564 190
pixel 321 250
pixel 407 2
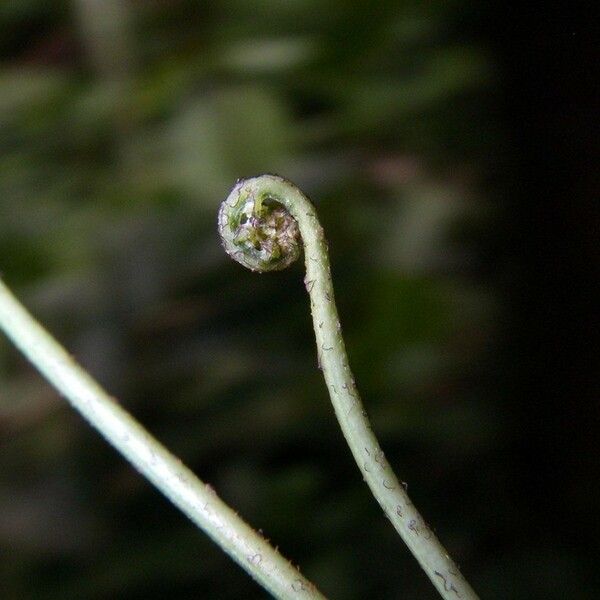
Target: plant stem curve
pixel 262 223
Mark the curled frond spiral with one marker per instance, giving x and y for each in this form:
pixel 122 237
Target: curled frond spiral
pixel 257 230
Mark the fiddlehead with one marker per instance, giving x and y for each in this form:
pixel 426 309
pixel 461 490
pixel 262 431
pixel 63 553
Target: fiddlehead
pixel 257 231
pixel 261 223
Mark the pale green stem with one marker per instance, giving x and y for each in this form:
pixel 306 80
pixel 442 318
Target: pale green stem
pixel 194 498
pixel 333 360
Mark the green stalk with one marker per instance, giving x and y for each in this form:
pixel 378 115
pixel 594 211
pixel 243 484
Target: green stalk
pixel 195 499
pixel 267 239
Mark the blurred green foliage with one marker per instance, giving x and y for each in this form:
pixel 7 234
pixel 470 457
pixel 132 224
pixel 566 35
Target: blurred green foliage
pixel 122 127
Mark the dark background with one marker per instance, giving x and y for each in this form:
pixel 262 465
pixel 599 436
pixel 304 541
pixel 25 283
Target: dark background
pixel 449 148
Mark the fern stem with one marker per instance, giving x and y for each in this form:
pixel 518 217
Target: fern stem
pixel 251 237
pixel 195 499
